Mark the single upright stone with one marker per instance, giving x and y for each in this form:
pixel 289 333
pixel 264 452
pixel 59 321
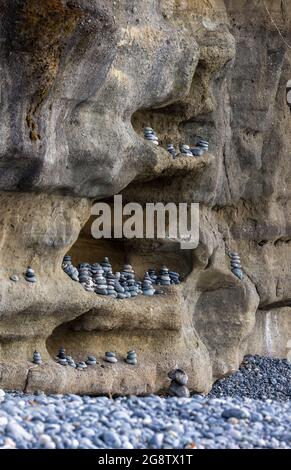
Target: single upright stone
pixel 149 134
pixel 235 265
pixel 37 358
pixel 131 358
pixel 30 275
pixel 178 386
pixel 110 357
pixel 171 150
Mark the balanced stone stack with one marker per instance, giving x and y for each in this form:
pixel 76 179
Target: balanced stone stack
pixel 123 283
pixel 61 357
pixel 200 147
pixel 110 357
pixel 89 285
pixel 128 272
pixel 81 365
pixel 118 287
pixel 84 270
pixel 71 362
pixel 30 275
pixel 149 134
pixel 164 278
pixel 152 275
pixel 37 358
pixel 171 150
pixel 235 264
pixel 175 277
pixel 131 358
pixel 147 286
pixel 69 269
pixel 100 282
pixel 91 361
pixel 179 380
pixel 185 150
pixel 106 266
pixel 132 288
pixel 110 279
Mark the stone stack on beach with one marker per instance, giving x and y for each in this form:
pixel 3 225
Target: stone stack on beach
pixel 30 275
pixel 235 265
pixel 131 358
pixel 178 386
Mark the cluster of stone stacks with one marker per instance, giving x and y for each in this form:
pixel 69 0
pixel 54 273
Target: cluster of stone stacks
pixel 235 265
pixel 200 147
pixel 178 386
pixel 149 134
pixel 100 279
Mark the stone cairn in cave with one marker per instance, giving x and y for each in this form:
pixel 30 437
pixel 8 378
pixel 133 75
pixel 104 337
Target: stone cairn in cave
pixel 69 269
pixel 185 150
pixel 178 386
pixel 149 134
pixel 171 150
pixel 200 147
pixel 100 279
pixel 235 265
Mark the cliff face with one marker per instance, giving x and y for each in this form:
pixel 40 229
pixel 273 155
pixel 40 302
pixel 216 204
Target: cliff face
pixel 79 81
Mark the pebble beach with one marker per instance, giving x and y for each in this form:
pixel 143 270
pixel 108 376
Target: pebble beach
pixel 250 409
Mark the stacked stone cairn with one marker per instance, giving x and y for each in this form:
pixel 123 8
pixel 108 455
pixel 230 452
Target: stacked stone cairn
pixel 152 275
pixel 110 357
pixel 235 265
pixel 61 357
pixel 175 277
pixel 149 134
pixel 100 280
pixel 91 361
pixel 172 150
pixel 131 358
pixel 110 279
pixel 37 358
pixel 178 386
pixel 81 365
pixel 30 275
pixel 200 147
pixel 71 362
pixel 69 269
pixel 147 286
pixel 185 150
pixel 164 277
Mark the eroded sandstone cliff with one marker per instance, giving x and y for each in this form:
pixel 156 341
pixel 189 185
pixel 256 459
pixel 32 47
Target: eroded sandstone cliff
pixel 79 81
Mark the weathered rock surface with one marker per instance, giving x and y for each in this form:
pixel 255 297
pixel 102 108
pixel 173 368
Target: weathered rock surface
pixel 79 81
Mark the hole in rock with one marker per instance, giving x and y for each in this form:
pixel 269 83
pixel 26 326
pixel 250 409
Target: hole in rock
pixel 141 253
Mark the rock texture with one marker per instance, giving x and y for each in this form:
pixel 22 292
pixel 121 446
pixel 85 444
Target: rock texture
pixel 79 81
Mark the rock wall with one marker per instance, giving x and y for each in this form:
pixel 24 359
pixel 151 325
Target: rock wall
pixel 79 81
